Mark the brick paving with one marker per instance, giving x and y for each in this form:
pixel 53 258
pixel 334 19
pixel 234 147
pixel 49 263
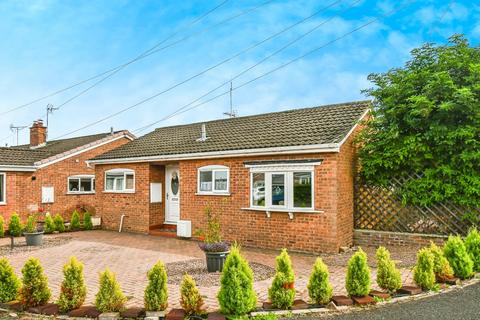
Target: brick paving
pixel 130 256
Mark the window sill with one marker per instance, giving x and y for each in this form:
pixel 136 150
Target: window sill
pixel 125 191
pixel 290 211
pixel 79 193
pixel 212 193
pixel 3 203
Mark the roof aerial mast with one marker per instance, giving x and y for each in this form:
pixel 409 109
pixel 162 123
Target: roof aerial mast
pixel 232 113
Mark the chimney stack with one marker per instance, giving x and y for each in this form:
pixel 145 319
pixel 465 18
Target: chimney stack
pixel 38 134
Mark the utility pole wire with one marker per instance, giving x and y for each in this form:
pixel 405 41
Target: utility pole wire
pixel 204 71
pixel 152 50
pixel 279 67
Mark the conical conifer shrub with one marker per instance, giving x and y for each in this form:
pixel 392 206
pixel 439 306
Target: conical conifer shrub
pixel 49 226
pixel 87 221
pixel 15 227
pixel 190 298
pixel 59 224
pixel 458 257
pixel 423 274
pixel 73 290
pixel 358 281
pixel 472 243
pixel 109 297
pixel 34 290
pixel 388 276
pixel 9 283
pixel 75 221
pixel 282 291
pixel 441 266
pixel 236 296
pixel 156 294
pixel 2 227
pixel 319 287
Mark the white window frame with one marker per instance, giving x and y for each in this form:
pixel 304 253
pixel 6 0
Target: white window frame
pixel 123 172
pixel 214 169
pixel 288 171
pixel 79 177
pixel 4 188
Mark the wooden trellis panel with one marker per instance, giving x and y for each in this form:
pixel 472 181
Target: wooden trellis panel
pixel 382 210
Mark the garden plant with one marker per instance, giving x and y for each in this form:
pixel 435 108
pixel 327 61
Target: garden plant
pixel 282 291
pixel 15 226
pixel 472 243
pixel 59 224
pixel 236 296
pixel 9 283
pixel 34 290
pixel 423 273
pixel 110 297
pixel 388 276
pixel 87 221
pixel 190 298
pixel 31 225
pixel 73 290
pixel 49 226
pixel 75 221
pixel 441 266
pixel 2 227
pixel 319 287
pixel 156 294
pixel 458 257
pixel 357 282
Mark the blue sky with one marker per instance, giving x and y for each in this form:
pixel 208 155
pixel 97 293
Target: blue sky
pixel 47 45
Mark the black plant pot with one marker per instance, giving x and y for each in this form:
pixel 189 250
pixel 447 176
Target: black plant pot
pixel 216 260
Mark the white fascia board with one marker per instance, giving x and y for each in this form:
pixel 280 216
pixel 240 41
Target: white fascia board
pixel 316 148
pixel 18 168
pixel 354 127
pixel 71 153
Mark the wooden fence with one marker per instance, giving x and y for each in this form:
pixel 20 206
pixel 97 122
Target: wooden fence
pixel 381 209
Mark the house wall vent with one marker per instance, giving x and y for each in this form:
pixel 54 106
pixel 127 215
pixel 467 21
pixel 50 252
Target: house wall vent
pixel 203 134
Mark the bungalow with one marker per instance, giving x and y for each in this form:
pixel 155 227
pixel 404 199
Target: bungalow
pixel 282 179
pixel 52 175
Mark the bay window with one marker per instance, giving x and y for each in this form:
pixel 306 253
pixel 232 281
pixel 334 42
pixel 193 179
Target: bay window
pixel 213 180
pixel 81 184
pixel 3 187
pixel 120 180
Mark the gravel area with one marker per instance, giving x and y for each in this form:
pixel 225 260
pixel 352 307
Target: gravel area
pixel 197 268
pixel 21 246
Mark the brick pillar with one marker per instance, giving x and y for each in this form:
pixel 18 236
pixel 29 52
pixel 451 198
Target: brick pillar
pixel 38 133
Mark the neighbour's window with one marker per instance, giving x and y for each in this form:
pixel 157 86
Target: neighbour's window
pixel 3 187
pixel 120 180
pixel 81 184
pixel 287 190
pixel 213 180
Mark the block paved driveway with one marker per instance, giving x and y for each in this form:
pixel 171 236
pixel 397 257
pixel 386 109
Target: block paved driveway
pixel 130 256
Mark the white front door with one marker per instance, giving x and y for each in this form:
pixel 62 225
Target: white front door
pixel 172 194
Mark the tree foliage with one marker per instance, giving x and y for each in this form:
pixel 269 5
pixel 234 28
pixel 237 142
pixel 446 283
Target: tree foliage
pixel 87 221
pixel 156 293
pixel 320 289
pixel 72 290
pixel 426 122
pixel 472 243
pixel 388 276
pixel 423 273
pixel 49 226
pixel 358 281
pixel 34 290
pixel 110 297
pixel 458 257
pixel 282 291
pixel 59 224
pixel 190 298
pixel 9 283
pixel 2 227
pixel 441 266
pixel 15 226
pixel 75 221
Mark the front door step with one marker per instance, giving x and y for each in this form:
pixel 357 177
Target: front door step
pixel 164 230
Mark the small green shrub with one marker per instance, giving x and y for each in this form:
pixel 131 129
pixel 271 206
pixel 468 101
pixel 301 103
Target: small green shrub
pixel 319 287
pixel 268 316
pixel 388 276
pixel 59 224
pixel 190 298
pixel 73 290
pixel 9 283
pixel 75 221
pixel 2 227
pixel 358 281
pixel 282 291
pixel 156 294
pixel 458 257
pixel 31 226
pixel 87 221
pixel 15 226
pixel 109 297
pixel 472 243
pixel 423 274
pixel 441 266
pixel 49 226
pixel 236 296
pixel 34 290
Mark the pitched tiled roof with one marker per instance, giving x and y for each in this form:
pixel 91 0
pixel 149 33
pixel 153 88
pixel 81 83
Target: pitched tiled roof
pixel 309 126
pixel 23 155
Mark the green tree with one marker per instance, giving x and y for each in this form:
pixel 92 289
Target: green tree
pixel 441 266
pixel 236 296
pixel 75 221
pixel 190 298
pixel 426 122
pixel 15 226
pixel 59 224
pixel 31 225
pixel 282 291
pixel 110 297
pixel 49 226
pixel 458 257
pixel 87 221
pixel 423 274
pixel 388 276
pixel 472 243
pixel 2 227
pixel 9 283
pixel 319 287
pixel 34 290
pixel 358 281
pixel 156 294
pixel 73 290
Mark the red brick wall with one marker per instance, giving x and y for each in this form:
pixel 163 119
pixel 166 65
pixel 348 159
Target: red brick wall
pixel 24 193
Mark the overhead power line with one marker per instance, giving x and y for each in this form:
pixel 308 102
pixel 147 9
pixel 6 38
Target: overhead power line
pixel 203 71
pixel 184 108
pixel 149 52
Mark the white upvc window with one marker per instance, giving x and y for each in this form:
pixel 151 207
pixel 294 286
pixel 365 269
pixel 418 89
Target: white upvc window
pixel 213 180
pixel 3 188
pixel 81 184
pixel 120 180
pixel 282 187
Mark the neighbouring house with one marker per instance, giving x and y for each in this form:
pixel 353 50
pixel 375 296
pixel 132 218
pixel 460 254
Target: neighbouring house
pixel 52 176
pixel 283 179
